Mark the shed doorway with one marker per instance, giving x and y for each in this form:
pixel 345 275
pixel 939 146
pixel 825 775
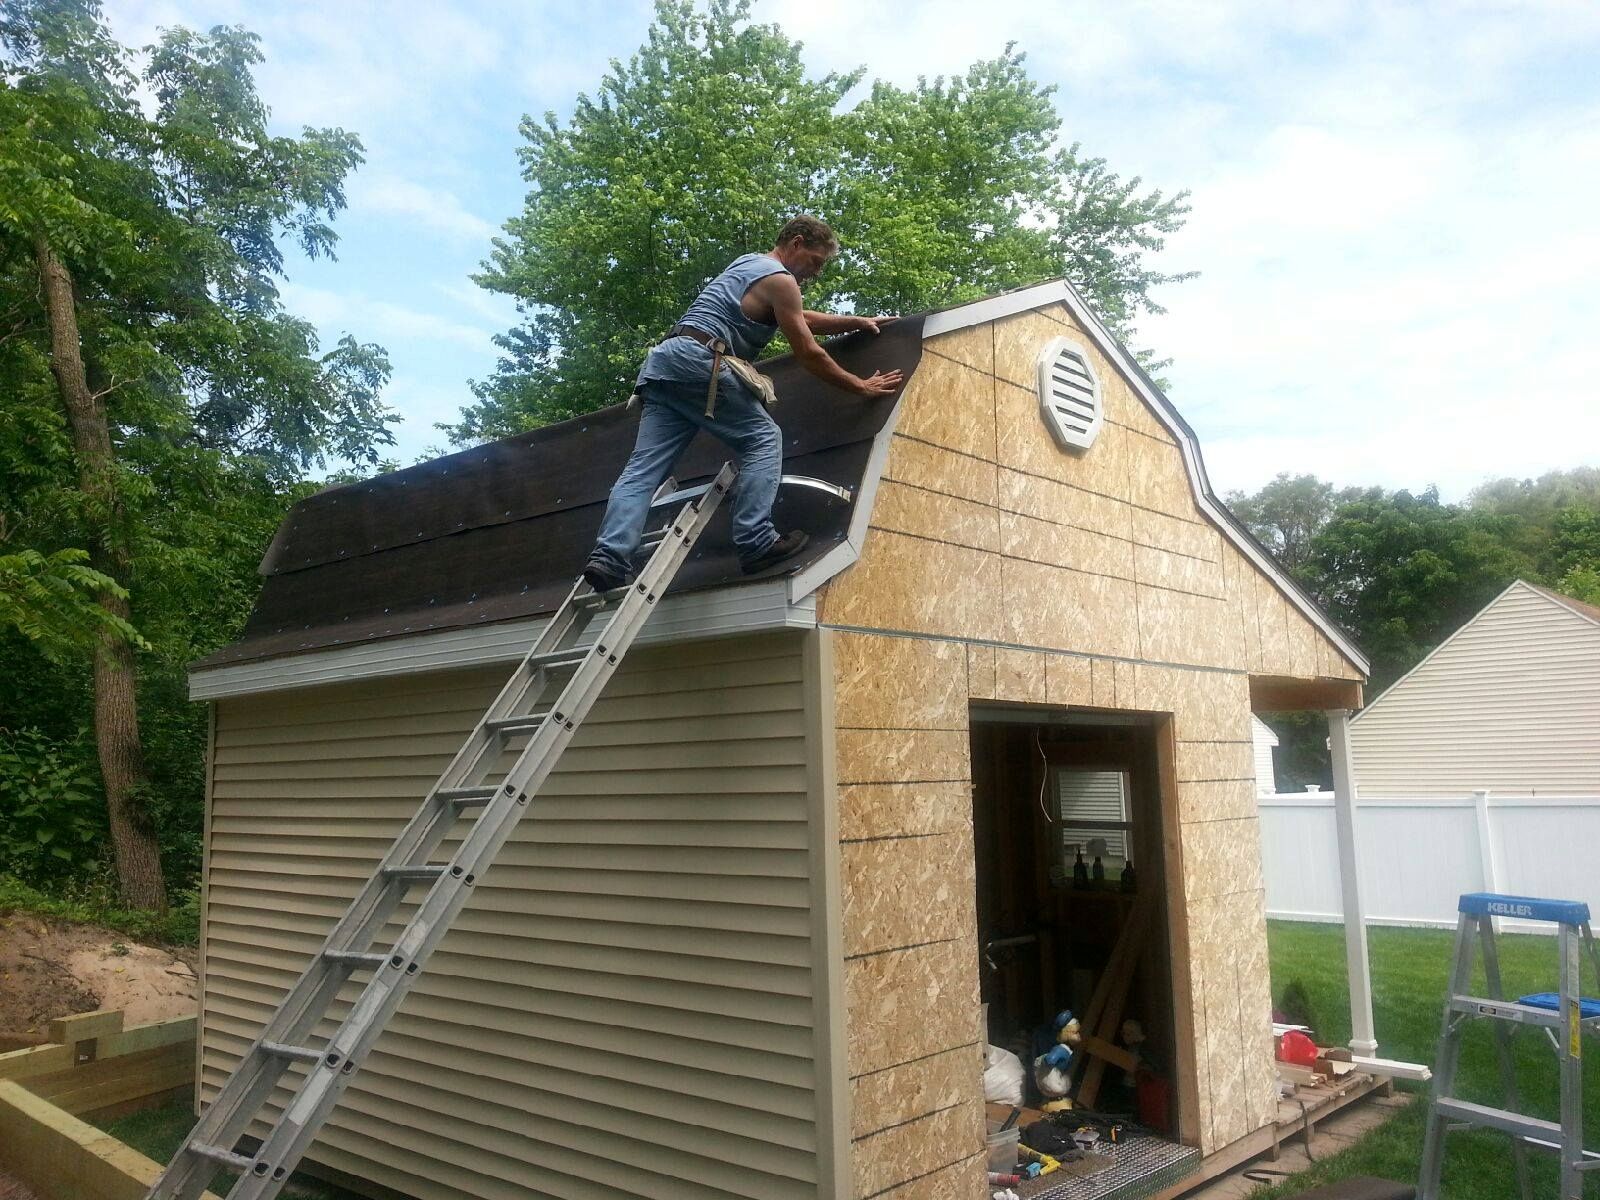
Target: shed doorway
pixel 1071 906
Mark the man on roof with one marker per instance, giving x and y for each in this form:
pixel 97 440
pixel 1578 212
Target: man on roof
pixel 700 377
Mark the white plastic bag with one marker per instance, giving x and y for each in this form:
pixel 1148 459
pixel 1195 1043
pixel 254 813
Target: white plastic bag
pixel 1002 1077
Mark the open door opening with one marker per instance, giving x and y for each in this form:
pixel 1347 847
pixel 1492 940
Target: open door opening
pixel 1071 905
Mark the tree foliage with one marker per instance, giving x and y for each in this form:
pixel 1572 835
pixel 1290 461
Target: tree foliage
pixel 697 149
pixel 1401 571
pixel 155 188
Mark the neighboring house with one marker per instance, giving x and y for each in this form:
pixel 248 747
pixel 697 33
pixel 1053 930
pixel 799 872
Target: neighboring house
pixel 1263 742
pixel 741 944
pixel 1509 703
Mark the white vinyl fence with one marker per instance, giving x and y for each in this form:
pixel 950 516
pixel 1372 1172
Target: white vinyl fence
pixel 1418 855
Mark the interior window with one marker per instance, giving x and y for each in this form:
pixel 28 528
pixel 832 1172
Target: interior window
pixel 1089 805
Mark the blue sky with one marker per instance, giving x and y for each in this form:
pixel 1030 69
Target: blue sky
pixel 1394 214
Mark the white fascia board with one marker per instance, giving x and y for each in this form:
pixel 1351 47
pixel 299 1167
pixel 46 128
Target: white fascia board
pixel 721 612
pixel 1060 291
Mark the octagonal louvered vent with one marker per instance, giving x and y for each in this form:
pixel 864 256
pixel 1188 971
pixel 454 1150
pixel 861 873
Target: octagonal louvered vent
pixel 1069 394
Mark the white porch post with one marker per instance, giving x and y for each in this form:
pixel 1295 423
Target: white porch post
pixel 1363 1040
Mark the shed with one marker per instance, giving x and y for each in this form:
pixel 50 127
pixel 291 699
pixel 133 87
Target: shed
pixel 1263 741
pixel 820 822
pixel 1508 703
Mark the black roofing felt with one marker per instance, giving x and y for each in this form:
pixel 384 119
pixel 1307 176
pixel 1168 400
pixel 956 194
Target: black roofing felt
pixel 500 531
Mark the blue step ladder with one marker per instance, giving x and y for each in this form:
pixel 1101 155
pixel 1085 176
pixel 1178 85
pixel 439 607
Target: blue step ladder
pixel 1564 1015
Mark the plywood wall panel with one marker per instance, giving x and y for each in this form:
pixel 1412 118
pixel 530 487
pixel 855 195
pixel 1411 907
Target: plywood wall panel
pixel 886 810
pixel 910 1151
pixel 950 405
pixel 1065 505
pixel 1068 680
pixel 1066 546
pixel 1215 799
pixel 1181 573
pixel 908 891
pixel 1198 761
pixel 1019 340
pixel 980 672
pixel 1221 857
pixel 1052 606
pixel 1019 676
pixel 899 1094
pixel 1158 478
pixel 901 755
pixel 910 1004
pixel 1178 627
pixel 923 465
pixel 1025 445
pixel 973 347
pixel 905 509
pixel 883 682
pixel 914 584
pixel 1164 532
pixel 963 1181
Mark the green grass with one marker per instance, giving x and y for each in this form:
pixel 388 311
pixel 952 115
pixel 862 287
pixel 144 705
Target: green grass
pixel 158 1132
pixel 1410 973
pixel 180 926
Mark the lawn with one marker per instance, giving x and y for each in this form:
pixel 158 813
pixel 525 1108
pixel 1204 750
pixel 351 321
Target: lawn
pixel 1410 971
pixel 158 1132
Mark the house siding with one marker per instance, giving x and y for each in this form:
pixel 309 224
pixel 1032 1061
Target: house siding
pixel 1511 703
pixel 646 964
pixel 999 567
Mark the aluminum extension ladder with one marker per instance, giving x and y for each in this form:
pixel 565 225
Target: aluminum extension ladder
pixel 1564 1016
pixel 546 699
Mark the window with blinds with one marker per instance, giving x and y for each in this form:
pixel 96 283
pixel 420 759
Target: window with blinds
pixel 1093 804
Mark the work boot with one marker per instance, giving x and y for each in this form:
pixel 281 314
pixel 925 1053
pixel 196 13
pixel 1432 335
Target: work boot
pixel 786 547
pixel 601 578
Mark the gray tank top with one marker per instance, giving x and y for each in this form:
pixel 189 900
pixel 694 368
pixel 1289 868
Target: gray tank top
pixel 716 311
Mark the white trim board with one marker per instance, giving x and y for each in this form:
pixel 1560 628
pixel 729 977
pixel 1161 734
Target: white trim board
pixel 722 612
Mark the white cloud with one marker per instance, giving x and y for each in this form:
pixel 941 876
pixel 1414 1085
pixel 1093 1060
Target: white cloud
pixel 383 321
pixel 386 193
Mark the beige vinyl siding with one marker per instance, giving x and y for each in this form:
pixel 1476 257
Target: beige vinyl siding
pixel 1510 703
pixel 633 979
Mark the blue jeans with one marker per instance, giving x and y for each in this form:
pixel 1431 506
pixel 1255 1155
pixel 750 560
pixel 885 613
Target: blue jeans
pixel 673 413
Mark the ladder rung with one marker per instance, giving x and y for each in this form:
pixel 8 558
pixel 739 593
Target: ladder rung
pixel 466 795
pixel 1505 1010
pixel 355 958
pixel 655 537
pixel 512 726
pixel 412 875
pixel 559 658
pixel 1497 1118
pixel 226 1158
pixel 298 1053
pixel 601 599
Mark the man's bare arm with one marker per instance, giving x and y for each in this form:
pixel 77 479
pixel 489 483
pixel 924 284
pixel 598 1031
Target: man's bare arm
pixel 783 293
pixel 826 323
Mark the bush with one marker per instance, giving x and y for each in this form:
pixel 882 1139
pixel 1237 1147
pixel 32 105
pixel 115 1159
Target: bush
pixel 96 906
pixel 52 822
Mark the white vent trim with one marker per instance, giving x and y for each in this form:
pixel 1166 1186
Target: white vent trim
pixel 1069 393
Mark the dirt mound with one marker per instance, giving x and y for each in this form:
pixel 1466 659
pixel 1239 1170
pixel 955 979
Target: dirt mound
pixel 52 969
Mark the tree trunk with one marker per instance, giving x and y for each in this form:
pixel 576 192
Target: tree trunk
pixel 116 716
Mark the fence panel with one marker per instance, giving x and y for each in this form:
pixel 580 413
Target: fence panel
pixel 1418 855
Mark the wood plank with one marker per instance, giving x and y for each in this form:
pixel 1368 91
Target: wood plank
pixel 83 1027
pixel 62 1158
pixel 91 1085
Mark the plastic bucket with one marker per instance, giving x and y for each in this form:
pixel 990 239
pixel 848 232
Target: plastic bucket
pixel 1003 1149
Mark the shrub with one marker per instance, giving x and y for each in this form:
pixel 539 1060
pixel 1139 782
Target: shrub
pixel 52 824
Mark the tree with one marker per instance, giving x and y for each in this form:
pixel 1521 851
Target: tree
pixel 701 145
pixel 1286 515
pixel 1402 571
pixel 50 600
pixel 138 258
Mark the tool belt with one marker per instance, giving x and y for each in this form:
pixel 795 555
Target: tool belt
pixel 758 383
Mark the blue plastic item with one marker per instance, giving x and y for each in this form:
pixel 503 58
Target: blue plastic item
pixel 1587 1008
pixel 1524 908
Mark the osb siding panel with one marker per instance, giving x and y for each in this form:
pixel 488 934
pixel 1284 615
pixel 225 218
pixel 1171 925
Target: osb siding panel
pixel 884 1159
pixel 651 913
pixel 1019 572
pixel 1510 703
